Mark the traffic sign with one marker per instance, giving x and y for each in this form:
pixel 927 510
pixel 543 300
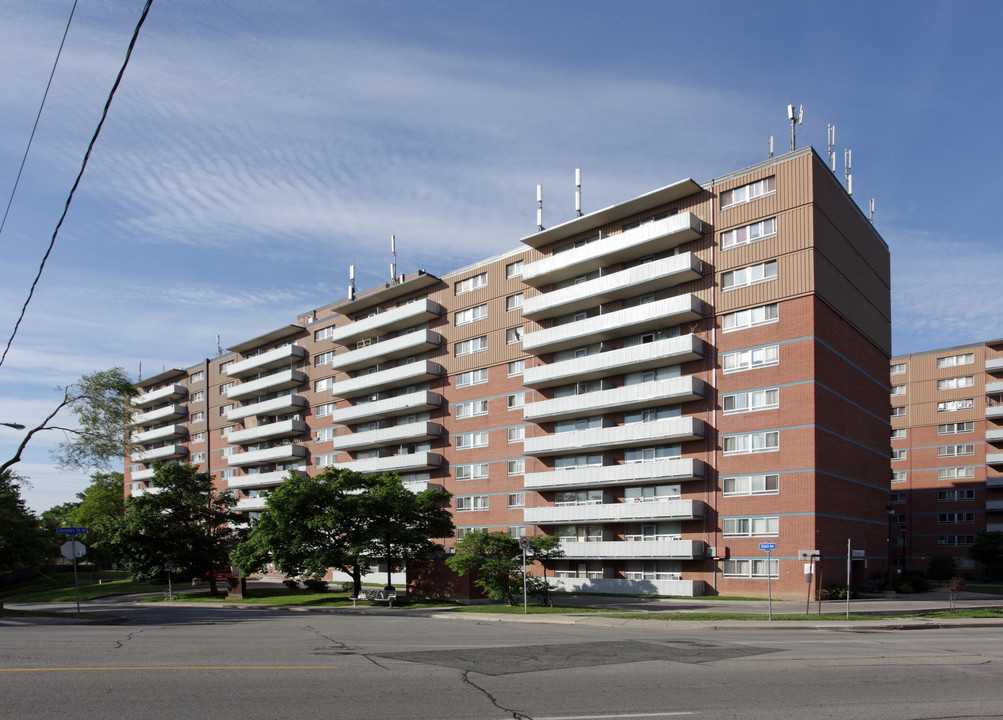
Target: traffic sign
pixel 72 549
pixel 71 530
pixel 767 546
pixel 523 542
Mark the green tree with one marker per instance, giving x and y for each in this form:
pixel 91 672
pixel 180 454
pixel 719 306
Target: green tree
pixel 184 520
pixel 940 568
pixel 496 561
pixel 23 542
pixel 100 510
pixel 101 403
pixel 988 550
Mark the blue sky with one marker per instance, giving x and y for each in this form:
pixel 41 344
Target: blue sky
pixel 255 149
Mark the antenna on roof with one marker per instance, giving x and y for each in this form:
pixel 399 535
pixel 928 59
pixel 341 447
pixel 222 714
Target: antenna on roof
pixel 539 207
pixel 795 120
pixel 848 170
pixel 393 263
pixel 219 348
pixel 771 147
pixel 832 146
pixel 140 370
pixel 578 191
pixel 351 281
pixel 871 218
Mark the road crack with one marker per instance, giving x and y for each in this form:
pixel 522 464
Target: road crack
pixel 340 648
pixel 514 713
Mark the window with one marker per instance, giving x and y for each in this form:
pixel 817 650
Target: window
pixel 513 269
pixel 516 500
pixel 751 568
pixel 224 365
pixel 898 411
pixel 464 531
pixel 899 434
pixel 470 315
pixel 517 434
pixel 472 408
pixel 750 275
pixel 197 376
pixel 197 458
pixel 474 471
pixel 576 424
pixel 323 359
pixel 472 440
pixel 955 473
pixel 752 485
pixel 750 359
pixel 750 318
pixel 324 410
pixel 323 461
pixel 324 384
pixel 325 434
pixel 516 367
pixel 198 396
pixel 517 467
pixel 471 502
pixel 954 405
pixel 955 360
pixel 899 454
pixel 955 539
pixel 471 283
pixel 955 428
pixel 897 369
pixel 955 450
pixel 751 401
pixel 747 193
pixel 198 437
pixel 228 451
pixel 197 417
pixel 751 526
pixel 516 531
pixel 226 430
pixel 227 473
pixel 516 400
pixel 898 390
pixel 765 441
pixel 749 233
pixel 513 302
pixel 956 518
pixel 323 333
pixel 955 495
pixel 575 462
pixel 473 345
pixel 955 383
pixel 474 377
pixel 225 387
pixel 513 335
pixel 898 498
pixel 224 409
pixel 899 476
pixel 646 493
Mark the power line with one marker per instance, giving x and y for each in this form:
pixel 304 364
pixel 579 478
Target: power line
pixel 34 127
pixel 83 166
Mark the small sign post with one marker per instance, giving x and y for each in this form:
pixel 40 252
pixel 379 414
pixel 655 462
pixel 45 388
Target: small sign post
pixel 71 550
pixel 524 545
pixel 769 548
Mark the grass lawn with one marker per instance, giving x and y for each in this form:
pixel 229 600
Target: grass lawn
pixel 87 592
pixel 990 589
pixel 57 580
pixel 532 609
pixel 292 598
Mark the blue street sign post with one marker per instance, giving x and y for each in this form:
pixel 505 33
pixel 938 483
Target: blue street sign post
pixel 769 547
pixel 71 531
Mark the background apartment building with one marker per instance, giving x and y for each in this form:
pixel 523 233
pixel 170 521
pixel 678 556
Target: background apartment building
pixel 947 452
pixel 665 384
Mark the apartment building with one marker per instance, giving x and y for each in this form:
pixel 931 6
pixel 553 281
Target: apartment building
pixel 947 452
pixel 670 384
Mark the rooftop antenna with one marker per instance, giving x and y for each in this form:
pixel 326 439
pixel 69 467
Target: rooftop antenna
pixel 539 207
pixel 832 146
pixel 219 348
pixel 351 281
pixel 795 120
pixel 771 147
pixel 848 170
pixel 393 263
pixel 578 191
pixel 871 218
pixel 140 370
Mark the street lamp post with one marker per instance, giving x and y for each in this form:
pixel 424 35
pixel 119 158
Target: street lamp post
pixel 891 514
pixel 16 426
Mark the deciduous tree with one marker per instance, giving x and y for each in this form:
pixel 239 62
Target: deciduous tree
pixel 988 550
pixel 23 542
pixel 495 559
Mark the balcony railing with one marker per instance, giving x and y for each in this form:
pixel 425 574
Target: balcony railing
pixel 261 480
pixel 168 412
pixel 398 347
pixel 655 354
pixel 638 549
pixel 994 411
pixel 631 282
pixel 400 405
pixel 169 392
pixel 274 454
pixel 274 406
pixel 395 463
pixel 647 239
pixel 994 435
pixel 630 397
pixel 633 435
pixel 161 453
pixel 141 475
pixel 994 505
pixel 278 357
pixel 994 458
pixel 630 321
pixel 991 482
pixel 399 318
pixel 615 512
pixel 411 432
pixel 284 380
pixel 164 433
pixel 283 428
pixel 249 504
pixel 407 374
pixel 675 470
pixel 994 365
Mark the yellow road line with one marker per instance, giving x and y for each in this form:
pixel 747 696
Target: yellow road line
pixel 180 667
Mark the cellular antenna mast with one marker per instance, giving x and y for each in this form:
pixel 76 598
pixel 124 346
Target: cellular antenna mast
pixel 832 147
pixel 771 147
pixel 796 119
pixel 848 170
pixel 871 218
pixel 539 207
pixel 219 348
pixel 578 191
pixel 393 263
pixel 351 281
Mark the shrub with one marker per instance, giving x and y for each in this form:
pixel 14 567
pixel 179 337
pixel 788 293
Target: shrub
pixel 291 583
pixel 315 585
pixel 910 582
pixel 835 591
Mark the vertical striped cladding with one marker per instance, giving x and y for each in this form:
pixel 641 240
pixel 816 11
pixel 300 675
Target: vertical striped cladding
pixel 794 279
pixel 793 190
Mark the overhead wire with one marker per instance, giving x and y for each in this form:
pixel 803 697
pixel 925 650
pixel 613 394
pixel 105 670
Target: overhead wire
pixel 76 183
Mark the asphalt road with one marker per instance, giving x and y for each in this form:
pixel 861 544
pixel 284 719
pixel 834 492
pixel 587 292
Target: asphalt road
pixel 167 662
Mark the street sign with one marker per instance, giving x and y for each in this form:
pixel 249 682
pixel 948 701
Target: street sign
pixel 72 549
pixel 767 546
pixel 523 542
pixel 71 531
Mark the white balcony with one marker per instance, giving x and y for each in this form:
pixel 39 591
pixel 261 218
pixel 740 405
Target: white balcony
pixel 994 388
pixel 407 374
pixel 642 395
pixel 168 412
pixel 642 473
pixel 647 239
pixel 163 433
pixel 275 406
pixel 283 428
pixel 994 435
pixel 251 504
pixel 141 475
pixel 398 347
pixel 399 318
pixel 400 405
pixel 994 411
pixel 616 586
pixel 279 357
pixel 630 321
pixel 395 463
pixel 991 482
pixel 261 480
pixel 994 505
pixel 635 550
pixel 411 432
pixel 146 491
pixel 168 392
pixel 616 362
pixel 284 380
pixel 994 458
pixel 167 452
pixel 994 527
pixel 275 454
pixel 994 365
pixel 615 512
pixel 632 282
pixel 633 435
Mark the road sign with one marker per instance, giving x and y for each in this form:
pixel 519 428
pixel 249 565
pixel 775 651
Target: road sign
pixel 72 549
pixel 767 546
pixel 523 542
pixel 71 531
